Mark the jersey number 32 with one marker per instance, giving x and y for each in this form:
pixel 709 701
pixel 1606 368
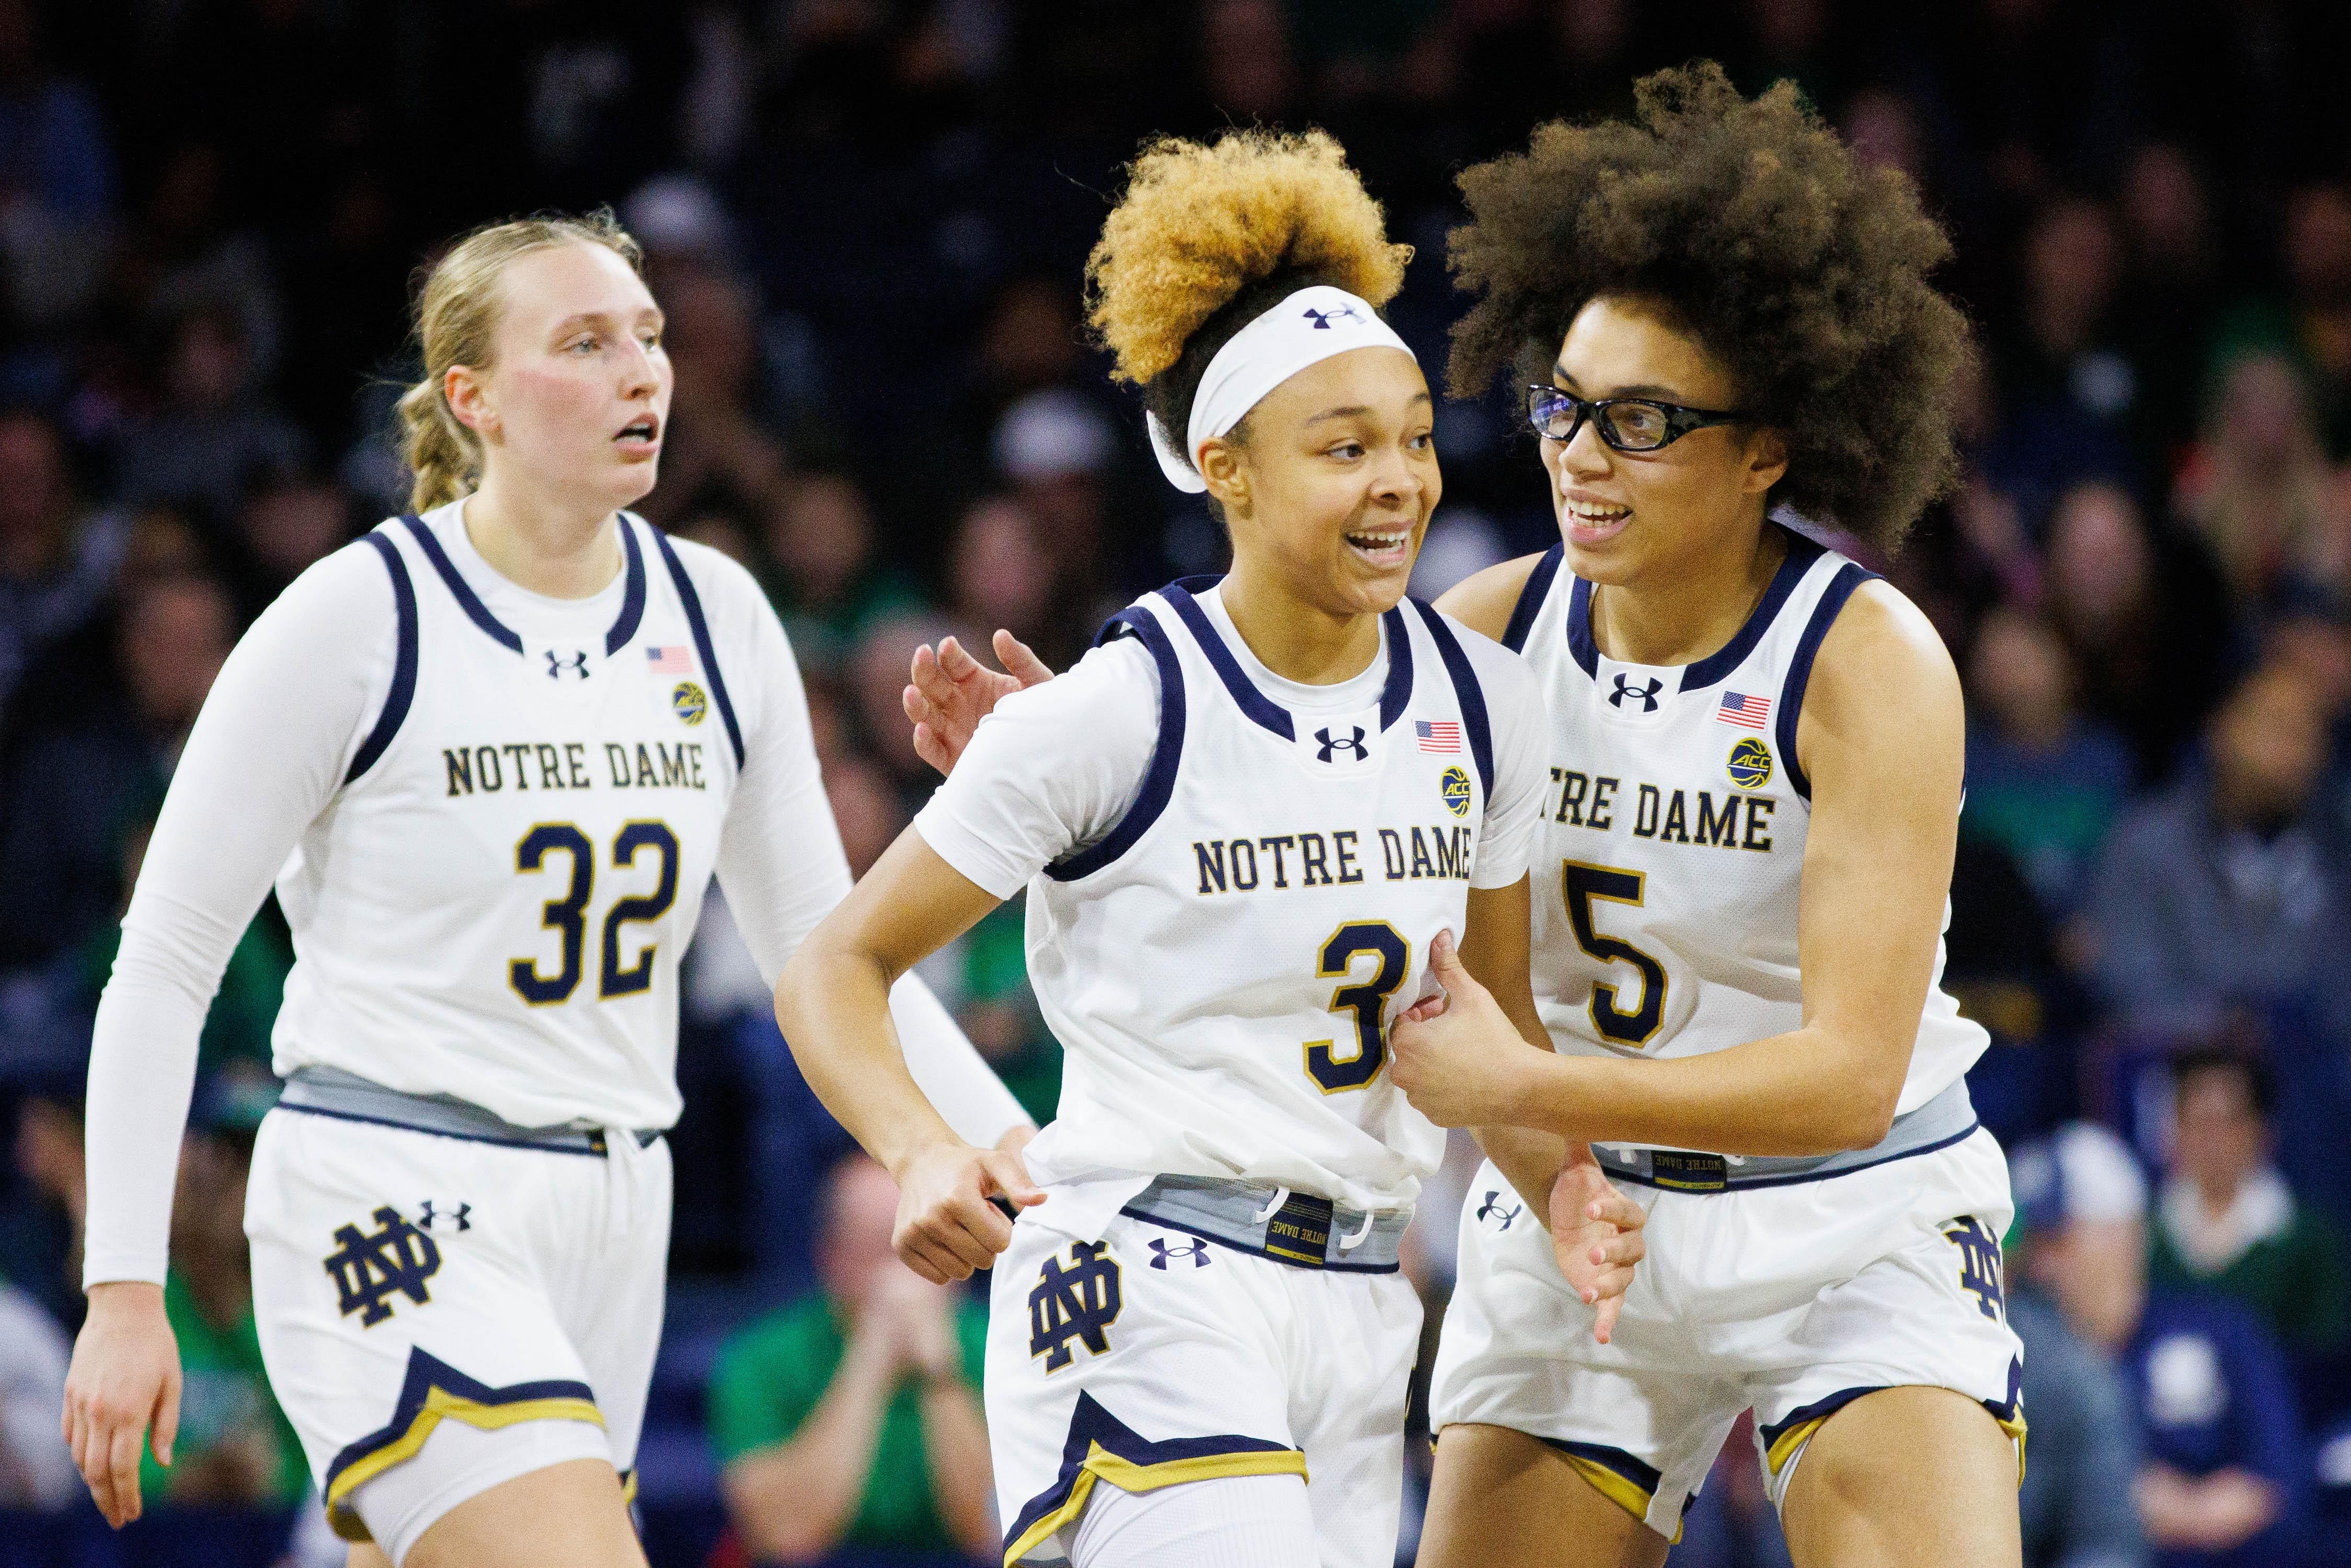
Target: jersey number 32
pixel 569 915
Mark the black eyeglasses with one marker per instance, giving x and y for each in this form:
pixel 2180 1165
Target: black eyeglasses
pixel 1626 423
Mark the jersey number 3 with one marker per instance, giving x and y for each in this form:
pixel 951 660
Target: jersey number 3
pixel 1366 1000
pixel 569 915
pixel 1633 1025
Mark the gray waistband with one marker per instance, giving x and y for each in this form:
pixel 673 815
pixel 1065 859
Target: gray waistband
pixel 1939 1124
pixel 331 1092
pixel 1294 1227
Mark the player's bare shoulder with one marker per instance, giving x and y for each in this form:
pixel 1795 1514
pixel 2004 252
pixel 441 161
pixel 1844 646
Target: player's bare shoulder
pixel 1883 671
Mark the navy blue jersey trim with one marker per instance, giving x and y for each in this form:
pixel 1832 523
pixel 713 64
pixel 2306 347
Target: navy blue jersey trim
pixel 1167 755
pixel 1818 1410
pixel 1579 629
pixel 404 663
pixel 1091 1426
pixel 633 602
pixel 1531 599
pixel 1396 693
pixel 1802 553
pixel 427 1371
pixel 1800 667
pixel 1472 695
pixel 691 601
pixel 437 1132
pixel 1262 709
pixel 467 599
pixel 1646 1477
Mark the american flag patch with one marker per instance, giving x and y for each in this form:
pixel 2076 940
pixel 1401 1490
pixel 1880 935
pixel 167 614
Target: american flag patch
pixel 1748 713
pixel 673 660
pixel 1437 734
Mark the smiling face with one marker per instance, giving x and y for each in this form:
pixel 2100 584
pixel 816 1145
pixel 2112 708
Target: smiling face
pixel 1626 515
pixel 576 396
pixel 1330 492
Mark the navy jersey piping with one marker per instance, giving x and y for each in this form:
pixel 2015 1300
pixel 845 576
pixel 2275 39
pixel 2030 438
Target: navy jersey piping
pixel 1849 577
pixel 467 599
pixel 1706 672
pixel 1166 754
pixel 632 601
pixel 692 602
pixel 402 692
pixel 1531 599
pixel 1468 692
pixel 1396 693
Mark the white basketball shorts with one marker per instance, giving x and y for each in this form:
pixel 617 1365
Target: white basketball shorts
pixel 439 1314
pixel 1792 1300
pixel 1125 1351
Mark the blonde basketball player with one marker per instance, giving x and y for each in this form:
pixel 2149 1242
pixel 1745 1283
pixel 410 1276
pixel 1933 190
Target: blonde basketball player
pixel 1241 820
pixel 1719 312
pixel 1755 754
pixel 491 755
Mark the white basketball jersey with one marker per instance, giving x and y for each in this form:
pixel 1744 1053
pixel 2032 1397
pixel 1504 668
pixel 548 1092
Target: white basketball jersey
pixel 495 904
pixel 1222 968
pixel 1666 887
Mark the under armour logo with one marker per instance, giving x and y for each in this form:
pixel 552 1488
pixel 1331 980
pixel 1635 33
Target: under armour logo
pixel 1322 318
pixel 1624 688
pixel 367 1269
pixel 1354 743
pixel 1493 1204
pixel 1077 1302
pixel 1978 1262
pixel 456 1216
pixel 1196 1251
pixel 576 665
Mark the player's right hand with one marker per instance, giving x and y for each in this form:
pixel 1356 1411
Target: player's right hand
pixel 952 692
pixel 947 1225
pixel 124 1382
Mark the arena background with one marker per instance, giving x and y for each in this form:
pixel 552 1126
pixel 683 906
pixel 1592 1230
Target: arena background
pixel 867 222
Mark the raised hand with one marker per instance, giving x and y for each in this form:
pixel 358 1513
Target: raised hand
pixel 952 692
pixel 947 1225
pixel 1596 1232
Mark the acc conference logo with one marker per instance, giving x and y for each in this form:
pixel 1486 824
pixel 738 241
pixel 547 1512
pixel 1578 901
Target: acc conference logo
pixel 689 703
pixel 1453 788
pixel 1749 764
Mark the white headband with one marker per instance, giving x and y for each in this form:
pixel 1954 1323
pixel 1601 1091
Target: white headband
pixel 1304 329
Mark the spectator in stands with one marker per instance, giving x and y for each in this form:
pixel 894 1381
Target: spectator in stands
pixel 2223 890
pixel 719 448
pixel 43 1238
pixel 1057 449
pixel 2257 487
pixel 2145 618
pixel 1001 572
pixel 2044 781
pixel 2312 323
pixel 820 571
pixel 854 1419
pixel 36 1469
pixel 214 424
pixel 74 785
pixel 57 558
pixel 2223 1482
pixel 2171 274
pixel 2228 1223
pixel 289 522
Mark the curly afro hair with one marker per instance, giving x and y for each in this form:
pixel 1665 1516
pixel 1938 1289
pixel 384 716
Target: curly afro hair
pixel 1208 237
pixel 1758 233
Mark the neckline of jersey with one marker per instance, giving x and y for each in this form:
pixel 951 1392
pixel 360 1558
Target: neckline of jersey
pixel 444 534
pixel 1718 665
pixel 1227 651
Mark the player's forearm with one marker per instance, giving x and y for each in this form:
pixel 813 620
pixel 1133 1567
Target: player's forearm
pixel 1529 1159
pixel 955 1440
pixel 833 1007
pixel 1808 1091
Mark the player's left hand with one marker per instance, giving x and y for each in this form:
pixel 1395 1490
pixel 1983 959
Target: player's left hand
pixel 947 1227
pixel 1456 1055
pixel 1596 1233
pixel 952 692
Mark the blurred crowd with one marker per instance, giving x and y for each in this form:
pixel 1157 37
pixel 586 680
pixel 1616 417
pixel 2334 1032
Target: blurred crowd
pixel 866 220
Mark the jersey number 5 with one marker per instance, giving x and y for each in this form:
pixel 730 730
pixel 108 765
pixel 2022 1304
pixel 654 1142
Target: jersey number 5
pixel 569 915
pixel 1585 883
pixel 1366 1000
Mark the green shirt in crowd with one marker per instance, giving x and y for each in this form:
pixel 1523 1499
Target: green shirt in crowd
pixel 2297 1278
pixel 773 1374
pixel 224 1398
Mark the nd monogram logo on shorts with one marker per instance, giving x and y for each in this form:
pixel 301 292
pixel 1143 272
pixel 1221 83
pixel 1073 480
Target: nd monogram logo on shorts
pixel 368 1269
pixel 1077 1302
pixel 1978 1262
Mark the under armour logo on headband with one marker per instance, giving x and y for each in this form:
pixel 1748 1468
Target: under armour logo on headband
pixel 1322 318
